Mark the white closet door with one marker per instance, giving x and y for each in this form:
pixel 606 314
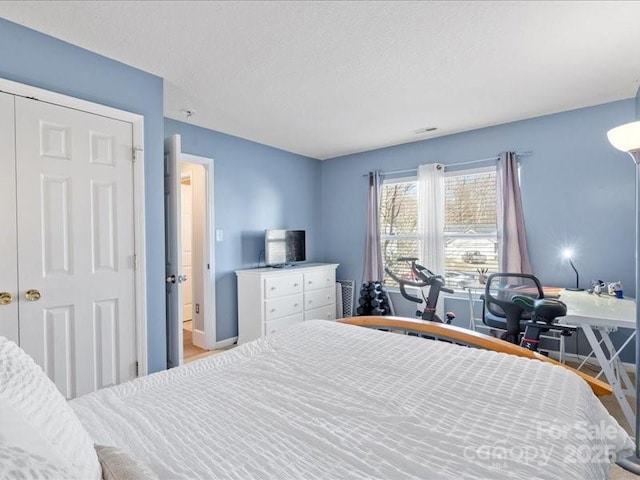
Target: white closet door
pixel 76 245
pixel 8 245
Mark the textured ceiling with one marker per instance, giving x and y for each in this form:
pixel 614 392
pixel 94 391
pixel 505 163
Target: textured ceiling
pixel 325 79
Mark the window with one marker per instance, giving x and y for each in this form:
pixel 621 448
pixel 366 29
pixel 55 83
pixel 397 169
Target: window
pixel 470 234
pixel 399 225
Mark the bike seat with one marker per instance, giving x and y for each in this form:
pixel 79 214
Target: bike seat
pixel 549 309
pixel 546 309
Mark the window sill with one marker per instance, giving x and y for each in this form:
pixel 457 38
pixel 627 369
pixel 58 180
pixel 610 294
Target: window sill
pixel 457 295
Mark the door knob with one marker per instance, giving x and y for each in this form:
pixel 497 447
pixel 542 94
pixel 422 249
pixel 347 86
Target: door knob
pixel 178 279
pixel 5 298
pixel 33 295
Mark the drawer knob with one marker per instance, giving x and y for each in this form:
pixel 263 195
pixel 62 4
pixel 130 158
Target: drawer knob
pixel 295 284
pixel 310 282
pixel 295 304
pixel 273 310
pixel 273 288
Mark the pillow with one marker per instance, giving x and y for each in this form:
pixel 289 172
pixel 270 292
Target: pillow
pixel 27 390
pixel 16 432
pixel 118 465
pixel 17 463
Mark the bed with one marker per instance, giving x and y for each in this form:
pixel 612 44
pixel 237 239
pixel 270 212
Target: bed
pixel 327 400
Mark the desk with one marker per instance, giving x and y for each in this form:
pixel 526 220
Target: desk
pixel 605 314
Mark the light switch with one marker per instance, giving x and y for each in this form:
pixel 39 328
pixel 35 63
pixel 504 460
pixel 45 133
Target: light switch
pixel 219 235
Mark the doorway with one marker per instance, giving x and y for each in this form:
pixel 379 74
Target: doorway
pixel 189 210
pixel 193 228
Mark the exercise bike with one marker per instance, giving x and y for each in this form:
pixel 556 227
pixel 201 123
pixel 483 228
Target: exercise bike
pixel 422 278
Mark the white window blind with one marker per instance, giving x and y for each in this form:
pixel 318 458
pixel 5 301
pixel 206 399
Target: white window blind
pixel 470 225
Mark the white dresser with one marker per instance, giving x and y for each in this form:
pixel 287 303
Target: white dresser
pixel 270 299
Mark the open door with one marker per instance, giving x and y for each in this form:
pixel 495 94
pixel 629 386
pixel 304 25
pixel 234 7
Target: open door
pixel 173 249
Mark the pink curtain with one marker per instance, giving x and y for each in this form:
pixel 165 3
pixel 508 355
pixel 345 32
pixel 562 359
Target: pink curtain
pixel 512 238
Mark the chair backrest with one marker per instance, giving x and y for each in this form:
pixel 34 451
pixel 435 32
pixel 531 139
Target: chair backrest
pixel 502 287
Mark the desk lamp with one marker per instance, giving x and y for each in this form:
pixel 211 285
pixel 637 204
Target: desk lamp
pixel 627 138
pixel 568 254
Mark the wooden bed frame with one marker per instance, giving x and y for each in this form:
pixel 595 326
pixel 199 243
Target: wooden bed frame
pixel 468 338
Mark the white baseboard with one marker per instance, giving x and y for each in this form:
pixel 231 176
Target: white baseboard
pixel 226 342
pixel 198 338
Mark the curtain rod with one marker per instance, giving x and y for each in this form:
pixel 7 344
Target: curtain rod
pixel 415 170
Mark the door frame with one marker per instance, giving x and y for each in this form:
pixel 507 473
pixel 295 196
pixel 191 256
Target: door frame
pixel 208 285
pixel 137 123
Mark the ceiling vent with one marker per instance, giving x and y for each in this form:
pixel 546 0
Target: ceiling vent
pixel 425 130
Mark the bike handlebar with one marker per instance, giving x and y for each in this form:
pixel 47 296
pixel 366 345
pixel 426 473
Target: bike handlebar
pixel 403 281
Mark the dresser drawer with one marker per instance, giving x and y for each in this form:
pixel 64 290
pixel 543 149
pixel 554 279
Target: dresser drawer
pixel 319 298
pixel 320 279
pixel 285 285
pixel 327 312
pixel 283 306
pixel 282 323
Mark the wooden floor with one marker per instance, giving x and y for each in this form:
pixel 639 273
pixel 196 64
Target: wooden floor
pixel 191 352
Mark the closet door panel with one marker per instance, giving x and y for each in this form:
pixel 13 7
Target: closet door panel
pixel 8 242
pixel 75 230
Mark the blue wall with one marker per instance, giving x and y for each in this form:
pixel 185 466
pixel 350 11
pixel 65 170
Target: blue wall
pixel 256 188
pixel 36 59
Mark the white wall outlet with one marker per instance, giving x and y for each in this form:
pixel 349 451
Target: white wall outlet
pixel 219 235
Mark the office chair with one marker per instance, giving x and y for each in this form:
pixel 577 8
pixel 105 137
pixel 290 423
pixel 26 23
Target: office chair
pixel 515 302
pixel 500 311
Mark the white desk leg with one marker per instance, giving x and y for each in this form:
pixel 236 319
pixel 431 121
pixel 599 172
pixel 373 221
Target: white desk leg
pixel 586 359
pixel 609 374
pixel 614 360
pixel 472 318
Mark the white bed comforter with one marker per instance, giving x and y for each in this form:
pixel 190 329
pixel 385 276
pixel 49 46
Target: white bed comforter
pixel 325 400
